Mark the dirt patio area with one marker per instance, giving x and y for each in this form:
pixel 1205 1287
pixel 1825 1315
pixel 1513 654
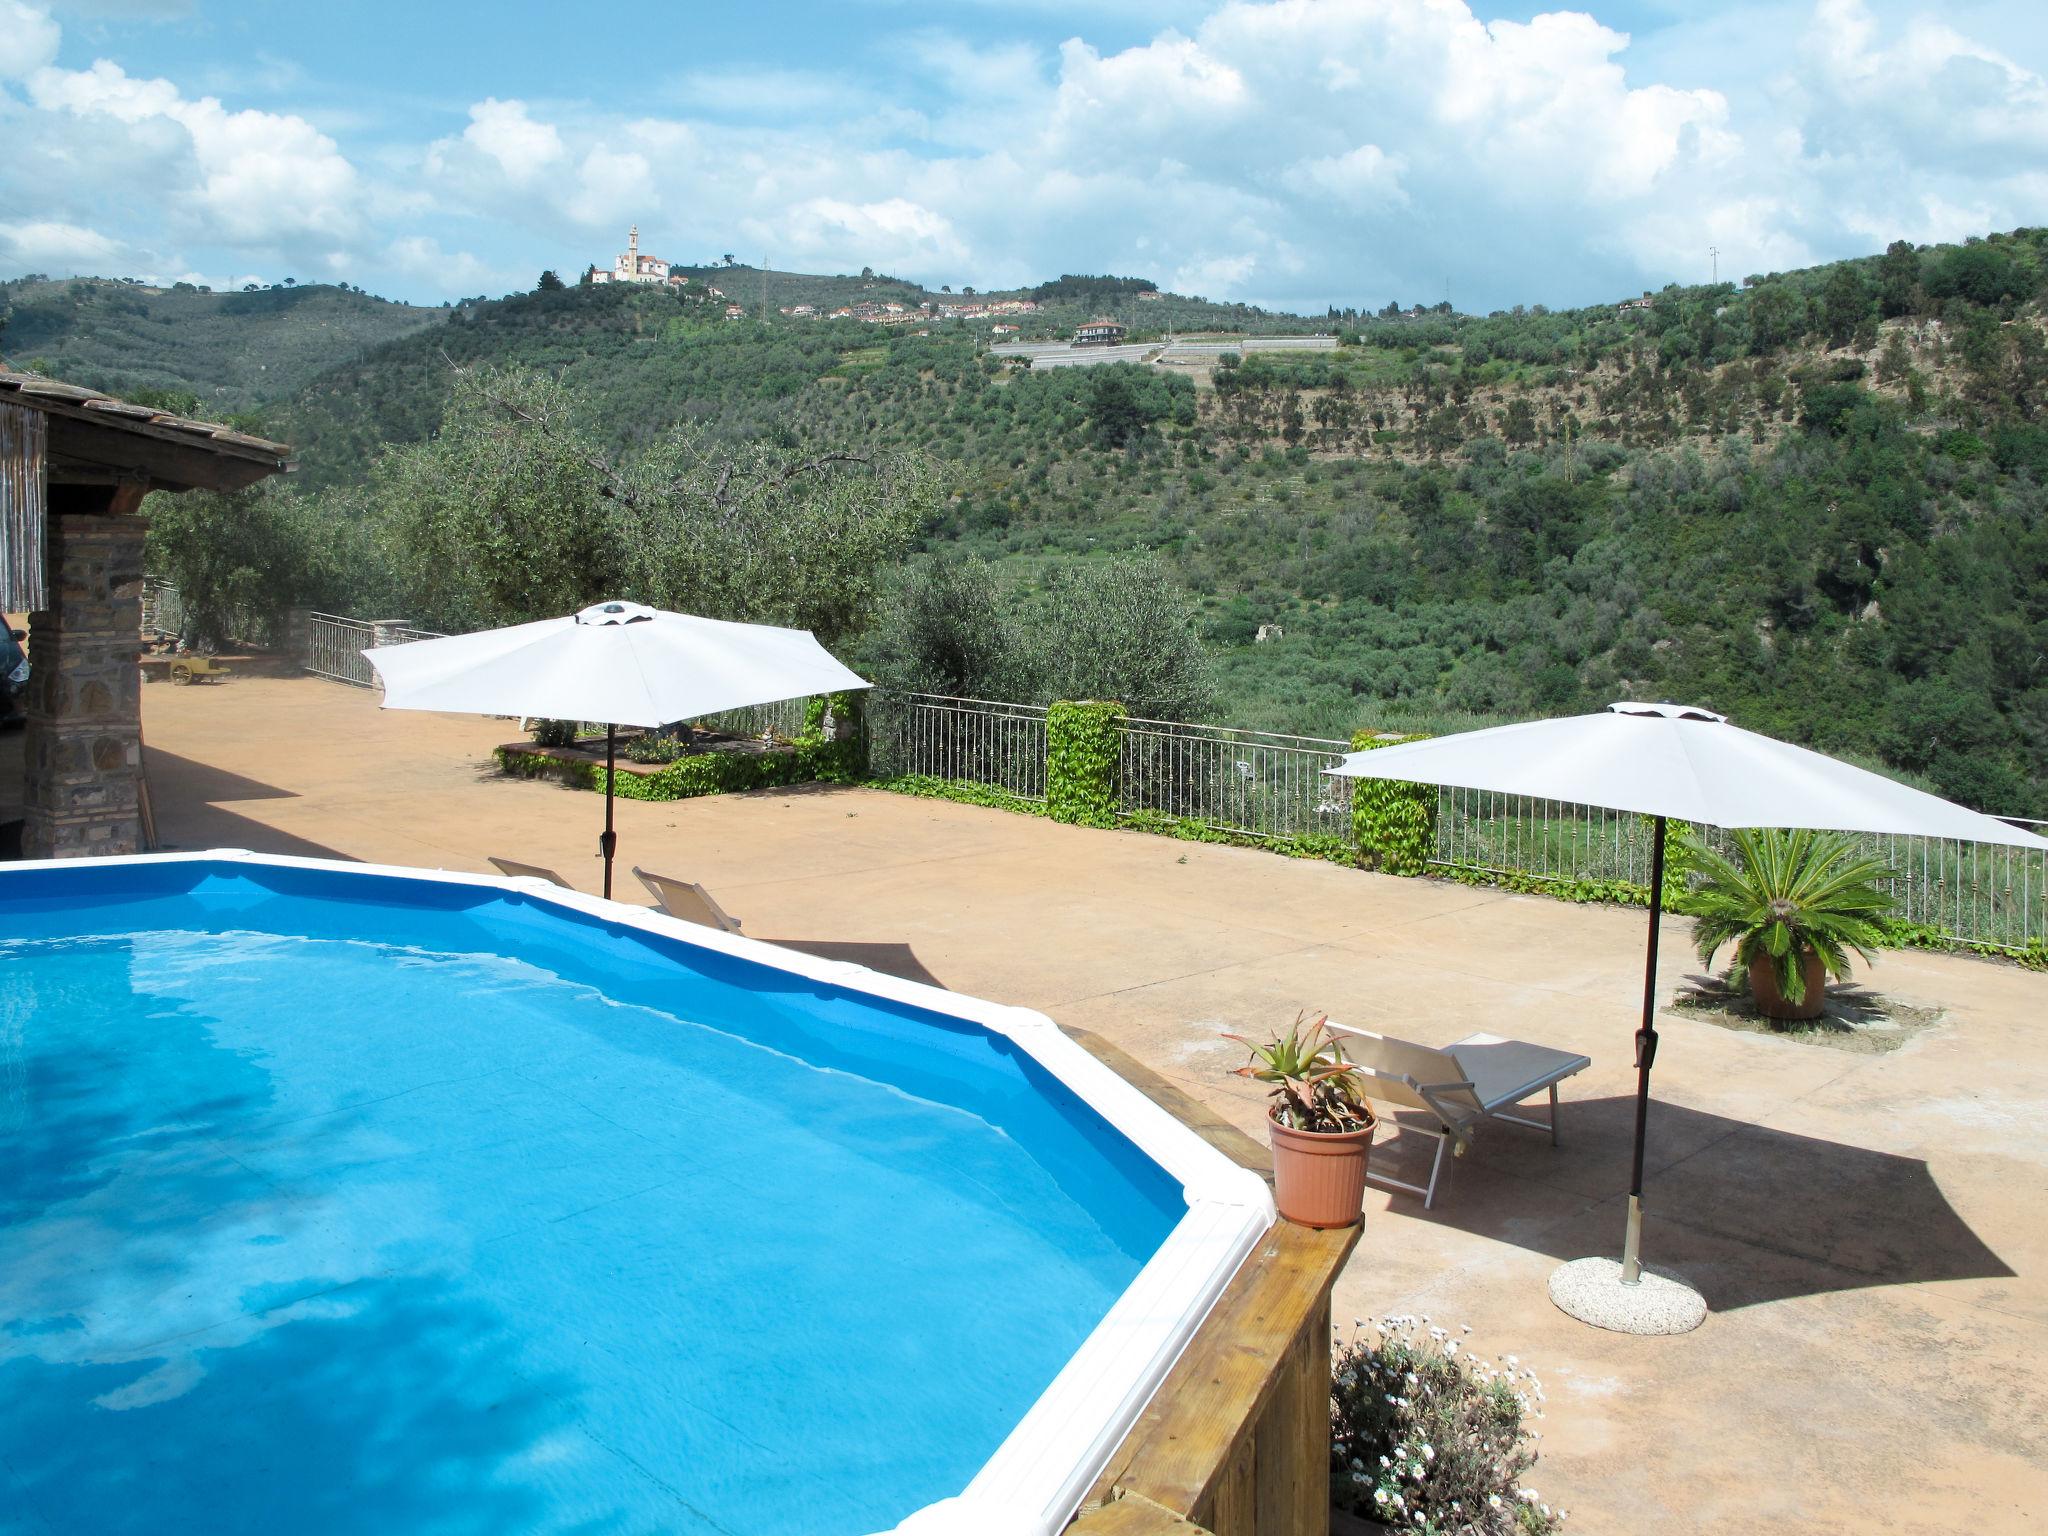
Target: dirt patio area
pixel 1871 1230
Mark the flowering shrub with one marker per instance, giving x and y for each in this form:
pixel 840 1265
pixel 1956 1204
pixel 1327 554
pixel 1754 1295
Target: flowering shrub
pixel 1429 1437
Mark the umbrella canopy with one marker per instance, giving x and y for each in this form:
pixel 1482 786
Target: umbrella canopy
pixel 1682 763
pixel 622 663
pixel 1673 761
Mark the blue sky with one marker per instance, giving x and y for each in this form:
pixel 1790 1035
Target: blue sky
pixel 1288 152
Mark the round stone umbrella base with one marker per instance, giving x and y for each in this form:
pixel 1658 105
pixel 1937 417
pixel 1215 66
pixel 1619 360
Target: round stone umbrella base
pixel 1591 1291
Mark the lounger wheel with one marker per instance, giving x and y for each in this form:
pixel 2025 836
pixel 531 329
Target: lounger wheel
pixel 181 672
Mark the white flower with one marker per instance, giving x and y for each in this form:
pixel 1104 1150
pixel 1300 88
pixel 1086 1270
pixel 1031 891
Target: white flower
pixel 1528 1495
pixel 1379 1495
pixel 1429 1453
pixel 1385 1463
pixel 1493 1501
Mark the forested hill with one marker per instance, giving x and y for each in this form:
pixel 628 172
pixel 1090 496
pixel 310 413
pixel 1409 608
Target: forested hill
pixel 1813 500
pixel 215 354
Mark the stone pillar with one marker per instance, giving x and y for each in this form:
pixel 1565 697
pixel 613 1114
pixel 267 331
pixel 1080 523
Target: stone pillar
pixel 295 635
pixel 388 631
pixel 84 738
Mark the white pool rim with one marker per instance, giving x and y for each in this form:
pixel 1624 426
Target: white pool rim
pixel 1039 1475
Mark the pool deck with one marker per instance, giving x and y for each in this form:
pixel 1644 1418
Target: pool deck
pixel 1871 1231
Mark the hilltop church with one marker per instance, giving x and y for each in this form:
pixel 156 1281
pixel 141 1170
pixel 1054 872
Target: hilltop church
pixel 632 267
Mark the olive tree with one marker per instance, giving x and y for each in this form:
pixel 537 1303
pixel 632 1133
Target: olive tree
pixel 1123 628
pixel 514 511
pixel 948 626
pixel 244 555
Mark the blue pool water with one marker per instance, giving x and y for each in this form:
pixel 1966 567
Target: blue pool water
pixel 341 1203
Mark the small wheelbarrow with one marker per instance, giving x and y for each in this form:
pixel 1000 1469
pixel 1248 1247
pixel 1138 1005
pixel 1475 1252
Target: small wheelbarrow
pixel 196 669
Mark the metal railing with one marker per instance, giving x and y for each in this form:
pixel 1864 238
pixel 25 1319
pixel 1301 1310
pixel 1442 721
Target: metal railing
pixel 334 648
pixel 982 741
pixel 784 718
pixel 1977 893
pixel 165 612
pixel 335 645
pixel 1256 782
pixel 163 608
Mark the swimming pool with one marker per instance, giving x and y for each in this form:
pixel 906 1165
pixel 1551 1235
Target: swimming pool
pixel 345 1198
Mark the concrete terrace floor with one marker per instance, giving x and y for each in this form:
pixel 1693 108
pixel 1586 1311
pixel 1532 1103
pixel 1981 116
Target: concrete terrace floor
pixel 1871 1231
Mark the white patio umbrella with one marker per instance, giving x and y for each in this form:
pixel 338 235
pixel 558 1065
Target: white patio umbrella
pixel 1675 762
pixel 622 663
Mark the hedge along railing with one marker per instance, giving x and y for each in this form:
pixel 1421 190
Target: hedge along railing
pixel 1193 780
pixel 1971 893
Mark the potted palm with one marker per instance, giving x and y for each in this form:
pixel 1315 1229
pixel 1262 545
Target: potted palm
pixel 1321 1124
pixel 1794 903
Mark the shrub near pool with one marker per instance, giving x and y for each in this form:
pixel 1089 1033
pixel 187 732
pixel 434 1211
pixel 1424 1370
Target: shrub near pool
pixel 815 755
pixel 1427 1437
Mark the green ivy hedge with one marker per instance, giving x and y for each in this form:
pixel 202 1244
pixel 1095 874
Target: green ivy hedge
pixel 1081 742
pixel 1393 824
pixel 1336 850
pixel 961 791
pixel 808 759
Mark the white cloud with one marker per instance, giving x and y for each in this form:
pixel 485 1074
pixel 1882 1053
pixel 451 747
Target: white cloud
pixel 614 186
pixel 28 39
pixel 1367 175
pixel 68 249
pixel 899 234
pixel 522 147
pixel 260 176
pixel 1292 151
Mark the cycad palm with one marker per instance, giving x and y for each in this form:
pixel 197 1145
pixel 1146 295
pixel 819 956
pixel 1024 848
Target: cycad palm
pixel 1788 893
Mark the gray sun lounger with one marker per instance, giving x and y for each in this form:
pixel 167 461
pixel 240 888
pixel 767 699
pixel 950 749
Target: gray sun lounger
pixel 519 871
pixel 687 900
pixel 1478 1078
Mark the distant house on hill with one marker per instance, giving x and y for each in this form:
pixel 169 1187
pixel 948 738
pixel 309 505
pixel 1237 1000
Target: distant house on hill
pixel 735 311
pixel 1002 330
pixel 1148 295
pixel 1100 332
pixel 1645 302
pixel 631 267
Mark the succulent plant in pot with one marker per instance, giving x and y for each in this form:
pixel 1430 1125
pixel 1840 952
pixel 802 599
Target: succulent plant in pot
pixel 1794 903
pixel 1321 1124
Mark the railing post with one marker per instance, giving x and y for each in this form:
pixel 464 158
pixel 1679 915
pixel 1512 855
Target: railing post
pixel 295 635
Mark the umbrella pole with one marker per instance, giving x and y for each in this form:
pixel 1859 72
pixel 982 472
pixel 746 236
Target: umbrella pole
pixel 609 844
pixel 1646 1056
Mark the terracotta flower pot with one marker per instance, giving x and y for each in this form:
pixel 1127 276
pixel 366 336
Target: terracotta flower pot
pixel 1319 1176
pixel 1770 1002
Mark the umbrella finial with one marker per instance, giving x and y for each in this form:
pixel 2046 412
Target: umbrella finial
pixel 615 613
pixel 1667 711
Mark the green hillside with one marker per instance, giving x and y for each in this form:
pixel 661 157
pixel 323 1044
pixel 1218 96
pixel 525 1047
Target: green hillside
pixel 229 351
pixel 1814 500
